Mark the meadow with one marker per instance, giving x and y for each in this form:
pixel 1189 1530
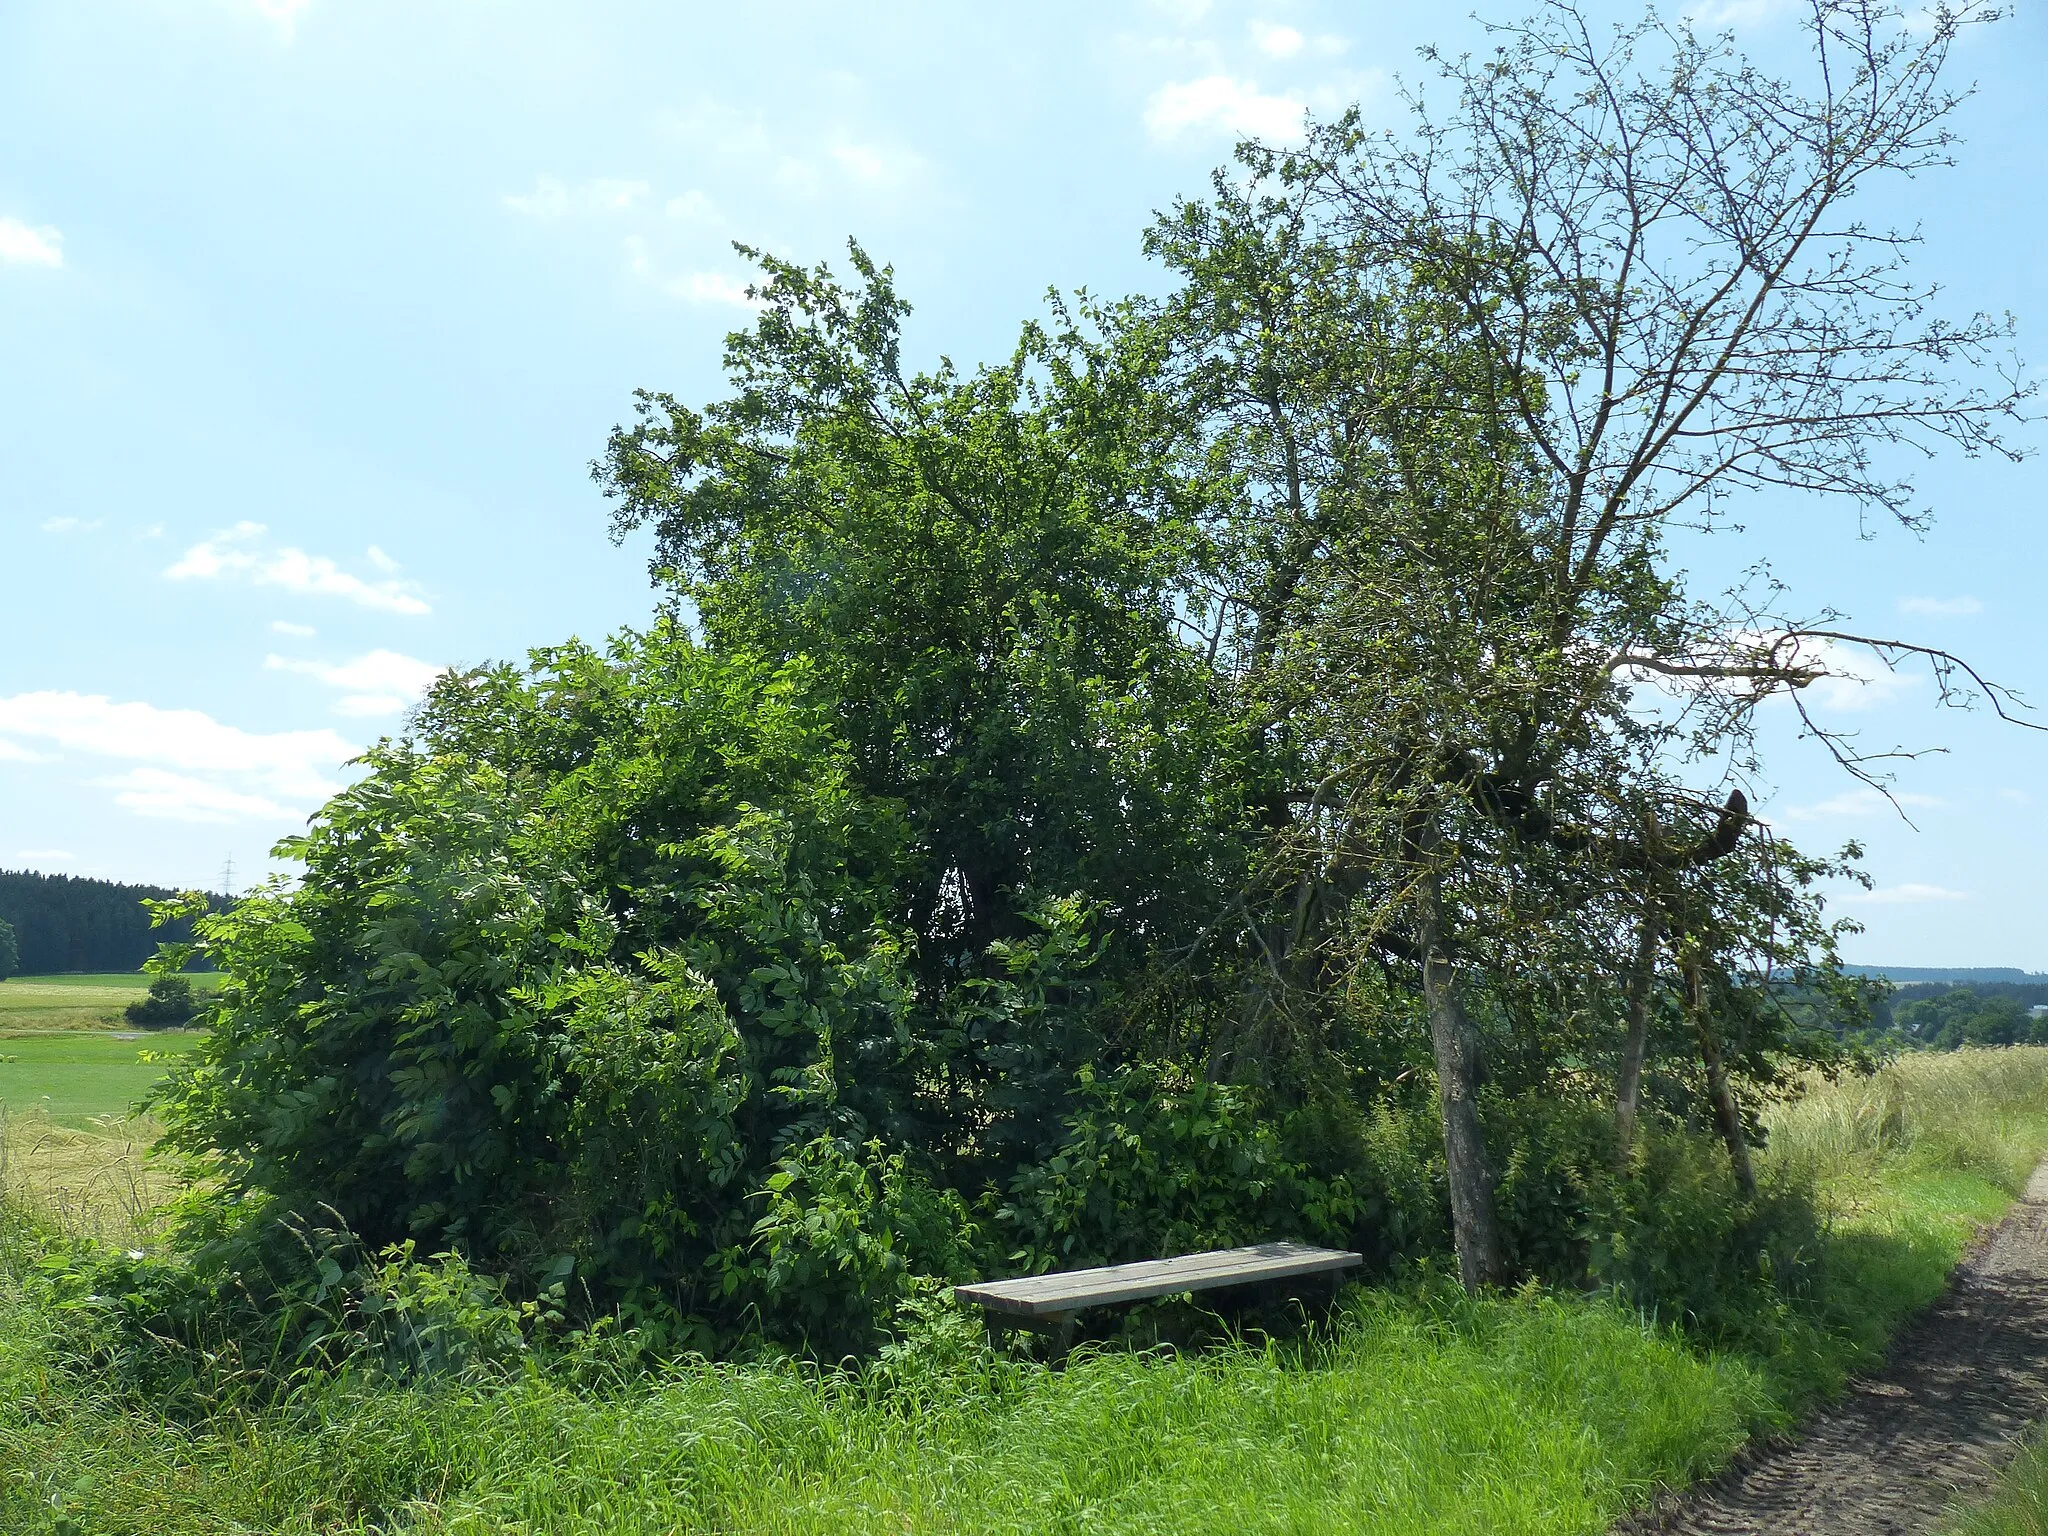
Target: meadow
pixel 65 1055
pixel 1413 1408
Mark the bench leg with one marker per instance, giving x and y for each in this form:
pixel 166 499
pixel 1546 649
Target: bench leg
pixel 1057 1328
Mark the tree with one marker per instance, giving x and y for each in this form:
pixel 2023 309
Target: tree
pixel 985 572
pixel 1470 382
pixel 10 955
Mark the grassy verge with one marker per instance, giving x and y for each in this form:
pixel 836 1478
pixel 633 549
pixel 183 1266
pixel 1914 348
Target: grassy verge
pixel 2018 1508
pixel 1416 1411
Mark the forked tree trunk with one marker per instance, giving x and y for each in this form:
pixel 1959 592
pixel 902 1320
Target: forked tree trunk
pixel 1727 1114
pixel 1635 1044
pixel 1475 1223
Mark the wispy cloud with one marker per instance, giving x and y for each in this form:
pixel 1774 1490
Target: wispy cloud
pixel 1902 895
pixel 70 525
pixel 1223 104
pixel 552 198
pixel 15 752
pixel 238 552
pixel 1941 607
pixel 165 796
pixel 379 683
pixel 693 207
pixel 2016 796
pixel 1737 13
pixel 238 768
pixel 1277 41
pixel 285 13
pixel 45 855
pixel 287 627
pixel 1862 801
pixel 1186 12
pixel 24 246
pixel 698 287
pixel 801 162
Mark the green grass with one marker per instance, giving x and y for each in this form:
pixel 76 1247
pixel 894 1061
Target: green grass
pixel 81 1001
pixel 67 1002
pixel 1418 1412
pixel 75 1077
pixel 2019 1507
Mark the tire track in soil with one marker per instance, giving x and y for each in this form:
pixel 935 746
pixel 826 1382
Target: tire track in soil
pixel 1963 1382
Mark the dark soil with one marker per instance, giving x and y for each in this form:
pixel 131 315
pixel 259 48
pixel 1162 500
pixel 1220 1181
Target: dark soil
pixel 1963 1383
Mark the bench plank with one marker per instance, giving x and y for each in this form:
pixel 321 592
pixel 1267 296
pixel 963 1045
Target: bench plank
pixel 1071 1290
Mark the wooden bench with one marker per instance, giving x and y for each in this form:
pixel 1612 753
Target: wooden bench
pixel 1051 1302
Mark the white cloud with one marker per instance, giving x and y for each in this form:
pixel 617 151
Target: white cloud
pixel 70 525
pixel 1186 12
pixel 1278 41
pixel 696 287
pixel 236 552
pixel 379 683
pixel 285 13
pixel 297 765
pixel 1862 801
pixel 694 207
pixel 552 198
pixel 1736 13
pixel 1851 678
pixel 1907 894
pixel 47 855
pixel 800 164
pixel 1219 102
pixel 15 752
pixel 286 627
pixel 2016 796
pixel 1941 607
pixel 165 796
pixel 22 246
pixel 359 706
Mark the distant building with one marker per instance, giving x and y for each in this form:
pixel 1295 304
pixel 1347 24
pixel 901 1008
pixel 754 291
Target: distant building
pixel 2038 1011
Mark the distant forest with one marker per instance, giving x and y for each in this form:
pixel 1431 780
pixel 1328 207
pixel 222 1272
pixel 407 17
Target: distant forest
pixel 63 923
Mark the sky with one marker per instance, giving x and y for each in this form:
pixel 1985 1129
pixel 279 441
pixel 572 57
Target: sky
pixel 313 314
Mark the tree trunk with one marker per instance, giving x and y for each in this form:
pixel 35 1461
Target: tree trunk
pixel 1727 1114
pixel 1635 1045
pixel 1475 1225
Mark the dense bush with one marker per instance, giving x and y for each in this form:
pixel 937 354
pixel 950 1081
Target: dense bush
pixel 169 1002
pixel 596 976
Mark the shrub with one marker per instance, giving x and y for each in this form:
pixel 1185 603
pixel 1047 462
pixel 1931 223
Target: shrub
pixel 169 1003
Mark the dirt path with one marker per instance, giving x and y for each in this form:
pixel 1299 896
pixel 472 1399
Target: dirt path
pixel 1938 1421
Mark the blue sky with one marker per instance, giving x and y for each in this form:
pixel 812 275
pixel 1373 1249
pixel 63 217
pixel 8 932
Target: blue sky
pixel 313 314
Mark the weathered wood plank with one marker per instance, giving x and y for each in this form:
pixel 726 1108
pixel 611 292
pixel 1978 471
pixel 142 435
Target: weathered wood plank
pixel 1071 1290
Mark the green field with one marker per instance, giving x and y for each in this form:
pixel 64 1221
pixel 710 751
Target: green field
pixel 68 1002
pixel 75 1076
pixel 64 1053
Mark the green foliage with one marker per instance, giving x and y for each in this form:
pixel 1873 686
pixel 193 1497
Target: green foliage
pixel 1958 1016
pixel 10 950
pixel 453 1410
pixel 1156 1163
pixel 170 1002
pixel 598 973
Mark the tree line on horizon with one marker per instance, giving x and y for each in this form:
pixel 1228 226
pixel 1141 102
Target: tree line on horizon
pixel 70 923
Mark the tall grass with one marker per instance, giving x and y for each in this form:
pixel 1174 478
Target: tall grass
pixel 97 1183
pixel 1977 1113
pixel 2018 1507
pixel 1410 1412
